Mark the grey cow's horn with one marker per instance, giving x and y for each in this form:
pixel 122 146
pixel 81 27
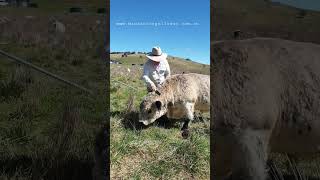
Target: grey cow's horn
pixel 157 92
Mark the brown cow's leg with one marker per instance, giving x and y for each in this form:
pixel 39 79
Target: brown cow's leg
pixel 185 128
pixel 190 116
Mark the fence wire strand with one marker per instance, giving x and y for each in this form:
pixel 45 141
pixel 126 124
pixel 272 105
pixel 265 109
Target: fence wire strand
pixel 26 63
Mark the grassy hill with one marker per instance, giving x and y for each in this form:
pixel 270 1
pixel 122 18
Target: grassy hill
pixel 177 65
pixel 47 128
pixel 158 151
pixel 263 18
pixel 58 7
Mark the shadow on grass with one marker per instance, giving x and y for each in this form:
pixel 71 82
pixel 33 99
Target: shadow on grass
pixel 131 121
pixel 51 167
pixel 102 141
pixel 72 169
pixel 116 113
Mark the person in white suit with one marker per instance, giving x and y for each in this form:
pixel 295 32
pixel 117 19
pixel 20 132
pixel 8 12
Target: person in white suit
pixel 156 69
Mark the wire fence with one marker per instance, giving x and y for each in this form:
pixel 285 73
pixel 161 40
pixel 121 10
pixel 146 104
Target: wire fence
pixel 39 69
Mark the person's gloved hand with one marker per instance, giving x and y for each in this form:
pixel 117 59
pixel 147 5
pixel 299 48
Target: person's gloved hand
pixel 152 88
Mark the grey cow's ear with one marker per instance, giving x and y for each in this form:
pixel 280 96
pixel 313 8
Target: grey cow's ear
pixel 158 105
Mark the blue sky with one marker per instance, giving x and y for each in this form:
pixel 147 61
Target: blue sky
pixel 181 40
pixel 304 4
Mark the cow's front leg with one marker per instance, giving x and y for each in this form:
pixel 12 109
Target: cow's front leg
pixel 185 128
pixel 189 108
pixel 250 154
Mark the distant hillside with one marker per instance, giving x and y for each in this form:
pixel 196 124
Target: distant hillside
pixel 57 6
pixel 263 18
pixel 177 65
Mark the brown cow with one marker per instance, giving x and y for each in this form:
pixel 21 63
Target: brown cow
pixel 265 98
pixel 178 97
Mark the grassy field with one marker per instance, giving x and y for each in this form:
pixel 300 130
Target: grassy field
pixel 158 151
pixel 47 128
pixel 262 18
pixel 58 7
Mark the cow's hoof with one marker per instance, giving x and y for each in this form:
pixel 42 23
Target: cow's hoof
pixel 185 133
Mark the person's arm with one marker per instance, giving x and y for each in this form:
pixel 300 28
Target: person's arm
pixel 145 76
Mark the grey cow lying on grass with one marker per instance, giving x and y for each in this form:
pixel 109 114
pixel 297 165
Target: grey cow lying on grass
pixel 178 98
pixel 265 98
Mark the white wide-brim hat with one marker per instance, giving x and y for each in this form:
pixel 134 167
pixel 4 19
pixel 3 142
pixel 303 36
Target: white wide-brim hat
pixel 156 54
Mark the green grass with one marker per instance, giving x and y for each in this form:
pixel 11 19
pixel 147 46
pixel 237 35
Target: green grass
pixel 48 128
pixel 158 153
pixel 154 152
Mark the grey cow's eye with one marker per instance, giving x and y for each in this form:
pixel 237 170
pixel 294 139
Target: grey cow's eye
pixel 149 111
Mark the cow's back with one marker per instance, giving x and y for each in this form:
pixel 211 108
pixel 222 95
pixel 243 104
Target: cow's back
pixel 188 88
pixel 195 87
pixel 202 84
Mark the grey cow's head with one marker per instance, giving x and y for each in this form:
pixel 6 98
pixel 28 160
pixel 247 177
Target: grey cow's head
pixel 151 108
